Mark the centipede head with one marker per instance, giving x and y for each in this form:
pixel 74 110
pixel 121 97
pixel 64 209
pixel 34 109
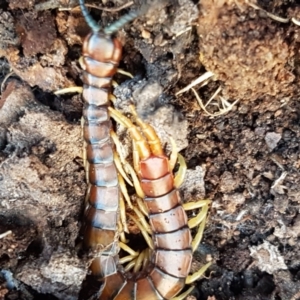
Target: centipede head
pixel 101 47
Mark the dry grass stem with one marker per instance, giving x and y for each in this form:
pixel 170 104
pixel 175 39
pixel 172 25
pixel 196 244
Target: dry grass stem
pixel 202 79
pixel 4 234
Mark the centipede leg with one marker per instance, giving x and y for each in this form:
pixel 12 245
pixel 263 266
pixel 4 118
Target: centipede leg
pixel 118 146
pixel 124 190
pixel 132 254
pixel 199 219
pixel 72 89
pixel 174 154
pixel 114 84
pixel 135 158
pixel 139 262
pixel 112 98
pixel 193 222
pixel 179 178
pixel 197 275
pixel 120 71
pixel 136 263
pixel 123 214
pixel 120 168
pixel 146 236
pixel 136 182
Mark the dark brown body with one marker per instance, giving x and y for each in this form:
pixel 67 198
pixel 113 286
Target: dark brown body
pixel 101 56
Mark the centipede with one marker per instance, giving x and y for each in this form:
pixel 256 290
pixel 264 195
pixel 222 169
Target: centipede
pixel 101 54
pixel 169 261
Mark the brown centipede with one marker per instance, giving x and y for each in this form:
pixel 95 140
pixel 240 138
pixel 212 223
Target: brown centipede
pixel 101 56
pixel 165 274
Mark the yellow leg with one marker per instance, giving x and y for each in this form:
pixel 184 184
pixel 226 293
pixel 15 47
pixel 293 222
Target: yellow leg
pixel 132 254
pixel 87 167
pixel 130 265
pixel 196 241
pixel 112 98
pixel 199 219
pixel 143 231
pixel 150 134
pixel 124 190
pixel 135 158
pixel 4 234
pixel 126 259
pixel 123 214
pixel 73 89
pixel 82 65
pixel 139 262
pixel 179 178
pixel 192 278
pixel 142 207
pixel 143 221
pixel 193 222
pixel 136 182
pixel 118 146
pixel 120 168
pixel 124 73
pixel 141 143
pixel 128 249
pixel 87 194
pixel 84 156
pixel 114 84
pixel 147 257
pixel 129 170
pixel 122 237
pixel 174 154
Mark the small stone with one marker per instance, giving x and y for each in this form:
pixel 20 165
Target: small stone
pixel 146 34
pixel 267 257
pixel 272 139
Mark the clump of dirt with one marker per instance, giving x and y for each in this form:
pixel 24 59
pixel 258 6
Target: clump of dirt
pixel 42 54
pixel 249 52
pixel 36 35
pixel 41 190
pixel 7 32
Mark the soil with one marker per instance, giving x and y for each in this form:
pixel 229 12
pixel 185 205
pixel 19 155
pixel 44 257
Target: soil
pixel 242 149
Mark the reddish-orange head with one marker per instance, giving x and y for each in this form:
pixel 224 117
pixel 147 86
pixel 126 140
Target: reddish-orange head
pixel 102 48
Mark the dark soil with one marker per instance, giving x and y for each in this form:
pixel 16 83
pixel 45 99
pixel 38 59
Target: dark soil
pixel 246 160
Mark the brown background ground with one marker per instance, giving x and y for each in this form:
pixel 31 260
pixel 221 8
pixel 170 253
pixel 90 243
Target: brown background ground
pixel 249 156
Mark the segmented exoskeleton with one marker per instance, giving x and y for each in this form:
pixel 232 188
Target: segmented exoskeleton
pixel 170 262
pixel 101 56
pixel 171 257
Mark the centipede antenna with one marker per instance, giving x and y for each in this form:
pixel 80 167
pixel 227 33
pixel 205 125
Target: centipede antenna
pixel 88 18
pixel 121 22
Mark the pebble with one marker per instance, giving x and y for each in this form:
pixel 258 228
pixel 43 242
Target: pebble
pixel 272 139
